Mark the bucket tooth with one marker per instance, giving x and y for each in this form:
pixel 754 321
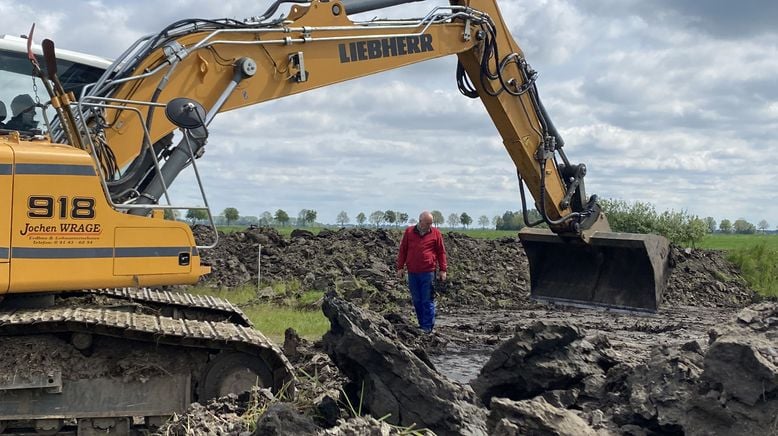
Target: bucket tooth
pixel 625 271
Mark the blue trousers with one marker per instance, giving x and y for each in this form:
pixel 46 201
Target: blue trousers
pixel 420 285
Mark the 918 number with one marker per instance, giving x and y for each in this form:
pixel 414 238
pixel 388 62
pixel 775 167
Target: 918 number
pixel 43 206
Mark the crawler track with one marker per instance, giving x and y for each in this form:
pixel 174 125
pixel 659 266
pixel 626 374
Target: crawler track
pixel 144 354
pixel 174 303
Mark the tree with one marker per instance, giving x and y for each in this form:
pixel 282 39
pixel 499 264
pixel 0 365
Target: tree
pixel 402 217
pixel 196 215
pixel 725 226
pixel 342 218
pixel 670 224
pixel 246 220
pixel 627 217
pixel 282 217
pixel 361 218
pixel 390 216
pixel 231 214
pixel 742 226
pixel 465 219
pixel 483 220
pixel 310 216
pixel 437 218
pixel 695 230
pixel 266 218
pixel 453 220
pixel 763 225
pixel 515 220
pixel 301 217
pixel 711 223
pixel 496 221
pixel 377 217
pixel 172 214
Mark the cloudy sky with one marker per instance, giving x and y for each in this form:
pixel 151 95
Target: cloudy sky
pixel 670 102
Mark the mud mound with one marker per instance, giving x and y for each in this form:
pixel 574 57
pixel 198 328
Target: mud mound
pixel 728 385
pixel 221 416
pixel 393 380
pixel 705 278
pixel 729 388
pixel 358 264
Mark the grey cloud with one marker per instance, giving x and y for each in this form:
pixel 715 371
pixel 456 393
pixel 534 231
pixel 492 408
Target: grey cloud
pixel 673 102
pixel 727 19
pixel 719 18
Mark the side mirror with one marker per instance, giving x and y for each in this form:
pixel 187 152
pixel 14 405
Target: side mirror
pixel 185 113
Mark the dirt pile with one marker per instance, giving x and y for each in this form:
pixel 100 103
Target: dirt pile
pixel 233 414
pixel 725 385
pixel 705 278
pixel 358 264
pixel 545 358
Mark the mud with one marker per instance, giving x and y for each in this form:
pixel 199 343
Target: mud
pixel 702 365
pixel 28 357
pixel 358 264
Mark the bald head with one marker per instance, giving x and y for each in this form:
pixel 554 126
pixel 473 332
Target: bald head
pixel 425 221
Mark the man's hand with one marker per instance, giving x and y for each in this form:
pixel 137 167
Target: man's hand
pixel 400 273
pixel 442 276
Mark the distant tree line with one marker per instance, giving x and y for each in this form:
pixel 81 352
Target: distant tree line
pixel 305 217
pixel 515 220
pixel 632 217
pixel 740 226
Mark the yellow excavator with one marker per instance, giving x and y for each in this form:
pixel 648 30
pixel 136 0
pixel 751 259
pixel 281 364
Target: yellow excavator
pixel 92 344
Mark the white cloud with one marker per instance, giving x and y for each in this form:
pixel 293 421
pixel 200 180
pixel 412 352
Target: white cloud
pixel 659 100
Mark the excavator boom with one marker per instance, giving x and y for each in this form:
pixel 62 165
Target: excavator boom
pixel 226 65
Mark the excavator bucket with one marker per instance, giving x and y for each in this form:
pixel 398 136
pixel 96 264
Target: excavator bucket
pixel 624 271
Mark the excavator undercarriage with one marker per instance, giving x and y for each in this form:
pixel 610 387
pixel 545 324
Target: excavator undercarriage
pixel 98 360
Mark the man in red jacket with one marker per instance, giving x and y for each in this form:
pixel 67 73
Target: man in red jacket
pixel 422 251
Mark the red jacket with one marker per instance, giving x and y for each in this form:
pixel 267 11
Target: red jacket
pixel 421 253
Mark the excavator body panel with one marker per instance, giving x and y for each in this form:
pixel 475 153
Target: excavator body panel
pixel 624 271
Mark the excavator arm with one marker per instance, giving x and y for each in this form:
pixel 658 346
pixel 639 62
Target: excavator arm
pixel 226 64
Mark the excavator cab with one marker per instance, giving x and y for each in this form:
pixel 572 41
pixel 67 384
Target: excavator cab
pixel 23 106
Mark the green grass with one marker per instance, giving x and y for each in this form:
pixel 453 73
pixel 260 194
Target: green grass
pixel 273 320
pixel 759 267
pixel 727 242
pixel 296 309
pixel 755 255
pixel 485 233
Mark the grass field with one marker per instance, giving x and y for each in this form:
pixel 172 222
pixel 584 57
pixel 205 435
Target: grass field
pixel 272 319
pixel 719 241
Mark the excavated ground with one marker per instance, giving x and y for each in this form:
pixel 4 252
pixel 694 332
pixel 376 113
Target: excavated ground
pixel 486 306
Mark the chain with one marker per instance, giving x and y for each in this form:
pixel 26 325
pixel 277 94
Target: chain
pixel 35 90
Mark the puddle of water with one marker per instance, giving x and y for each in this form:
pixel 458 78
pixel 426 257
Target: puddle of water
pixel 461 366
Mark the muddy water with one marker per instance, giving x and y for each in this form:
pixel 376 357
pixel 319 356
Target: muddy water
pixel 462 365
pixel 470 338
